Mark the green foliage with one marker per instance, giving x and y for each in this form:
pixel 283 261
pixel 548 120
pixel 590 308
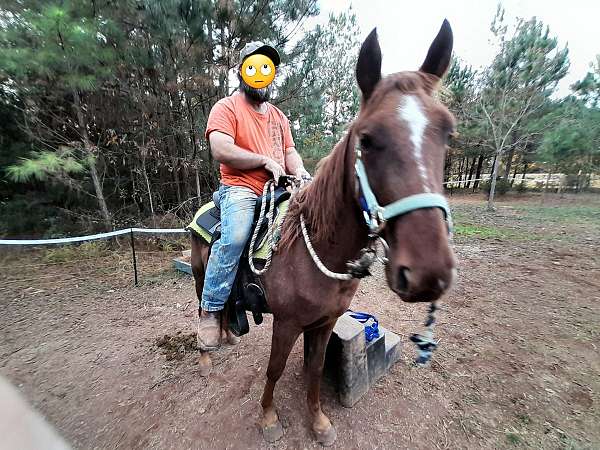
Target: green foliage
pixel 572 145
pixel 588 88
pixel 513 438
pixel 125 88
pixel 43 165
pixel 56 41
pixel 502 186
pixel 521 187
pixel 331 99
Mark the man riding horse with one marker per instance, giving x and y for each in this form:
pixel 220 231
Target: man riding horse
pixel 252 140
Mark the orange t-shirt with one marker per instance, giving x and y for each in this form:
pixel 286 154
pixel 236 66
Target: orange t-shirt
pixel 268 134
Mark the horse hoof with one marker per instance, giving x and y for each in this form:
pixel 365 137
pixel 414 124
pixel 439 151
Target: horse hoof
pixel 205 365
pixel 327 437
pixel 273 433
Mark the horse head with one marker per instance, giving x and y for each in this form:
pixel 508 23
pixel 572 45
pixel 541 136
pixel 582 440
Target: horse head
pixel 401 135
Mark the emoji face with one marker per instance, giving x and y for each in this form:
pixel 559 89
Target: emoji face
pixel 258 71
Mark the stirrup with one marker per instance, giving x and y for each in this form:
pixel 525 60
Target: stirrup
pixel 238 321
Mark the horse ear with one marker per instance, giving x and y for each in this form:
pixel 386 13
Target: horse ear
pixel 368 67
pixel 438 56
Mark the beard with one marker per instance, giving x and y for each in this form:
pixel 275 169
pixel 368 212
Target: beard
pixel 256 95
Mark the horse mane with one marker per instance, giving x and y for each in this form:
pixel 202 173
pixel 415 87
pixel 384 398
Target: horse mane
pixel 320 199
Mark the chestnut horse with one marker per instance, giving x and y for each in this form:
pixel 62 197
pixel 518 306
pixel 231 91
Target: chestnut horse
pixel 400 135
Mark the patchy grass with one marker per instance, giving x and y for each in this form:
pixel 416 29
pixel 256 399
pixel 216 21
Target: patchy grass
pixel 513 438
pixel 590 215
pixel 521 221
pixel 87 250
pixel 480 231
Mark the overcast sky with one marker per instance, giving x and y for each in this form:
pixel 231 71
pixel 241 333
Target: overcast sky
pixel 406 28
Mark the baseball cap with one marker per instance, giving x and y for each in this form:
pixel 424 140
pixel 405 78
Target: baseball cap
pixel 258 47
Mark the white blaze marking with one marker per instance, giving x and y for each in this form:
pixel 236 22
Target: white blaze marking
pixel 411 112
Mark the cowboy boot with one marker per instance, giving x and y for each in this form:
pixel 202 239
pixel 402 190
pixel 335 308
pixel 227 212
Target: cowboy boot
pixel 209 330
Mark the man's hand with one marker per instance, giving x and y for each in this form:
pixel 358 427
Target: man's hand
pixel 293 162
pixel 275 169
pixel 303 173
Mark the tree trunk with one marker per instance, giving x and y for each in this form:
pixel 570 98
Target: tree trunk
pixel 478 172
pixel 546 187
pixel 464 174
pixel 470 176
pixel 89 149
pixel 146 179
pixel 525 165
pixel 176 180
pixel 198 191
pixel 490 205
pixel 448 166
pixel 460 170
pixel 509 161
pixel 512 181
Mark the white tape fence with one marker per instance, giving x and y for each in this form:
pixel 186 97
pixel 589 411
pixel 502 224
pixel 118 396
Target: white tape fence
pixel 92 237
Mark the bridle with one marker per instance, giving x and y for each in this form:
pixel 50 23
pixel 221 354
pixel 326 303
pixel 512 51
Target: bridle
pixel 376 215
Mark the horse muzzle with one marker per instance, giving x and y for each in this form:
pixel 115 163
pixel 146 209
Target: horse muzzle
pixel 422 265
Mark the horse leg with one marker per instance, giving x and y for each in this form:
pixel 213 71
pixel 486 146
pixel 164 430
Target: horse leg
pixel 317 340
pixel 198 262
pixel 284 337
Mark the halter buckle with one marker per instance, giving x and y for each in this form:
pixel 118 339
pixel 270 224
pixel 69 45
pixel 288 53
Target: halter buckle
pixel 375 220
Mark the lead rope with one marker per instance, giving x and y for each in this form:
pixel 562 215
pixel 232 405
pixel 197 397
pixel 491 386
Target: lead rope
pixel 269 185
pixel 317 260
pixel 426 344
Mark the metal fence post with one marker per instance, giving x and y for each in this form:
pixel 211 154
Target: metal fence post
pixel 135 275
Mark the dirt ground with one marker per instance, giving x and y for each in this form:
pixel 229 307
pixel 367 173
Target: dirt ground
pixel 518 363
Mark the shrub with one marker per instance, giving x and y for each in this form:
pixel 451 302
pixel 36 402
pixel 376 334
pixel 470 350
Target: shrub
pixel 521 187
pixel 502 186
pixel 87 250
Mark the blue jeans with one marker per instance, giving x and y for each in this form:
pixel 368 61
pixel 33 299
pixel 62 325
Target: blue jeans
pixel 237 212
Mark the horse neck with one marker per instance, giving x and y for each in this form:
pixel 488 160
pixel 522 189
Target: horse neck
pixel 349 235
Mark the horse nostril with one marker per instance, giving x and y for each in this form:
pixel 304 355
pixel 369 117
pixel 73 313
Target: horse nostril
pixel 403 279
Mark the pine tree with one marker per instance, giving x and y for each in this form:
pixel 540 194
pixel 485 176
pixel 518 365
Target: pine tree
pixel 54 52
pixel 518 83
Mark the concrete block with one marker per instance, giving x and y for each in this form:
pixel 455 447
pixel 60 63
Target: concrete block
pixel 182 265
pixel 376 357
pixel 392 348
pixel 352 364
pixel 346 360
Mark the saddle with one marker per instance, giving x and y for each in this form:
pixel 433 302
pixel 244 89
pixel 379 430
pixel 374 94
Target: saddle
pixel 247 293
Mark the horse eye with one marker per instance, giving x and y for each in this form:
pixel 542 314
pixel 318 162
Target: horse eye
pixel 366 141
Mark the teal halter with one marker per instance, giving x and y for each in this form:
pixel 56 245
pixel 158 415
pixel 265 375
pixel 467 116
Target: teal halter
pixel 376 215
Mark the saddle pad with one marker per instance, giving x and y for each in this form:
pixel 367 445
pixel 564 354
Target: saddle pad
pixel 261 248
pixel 197 229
